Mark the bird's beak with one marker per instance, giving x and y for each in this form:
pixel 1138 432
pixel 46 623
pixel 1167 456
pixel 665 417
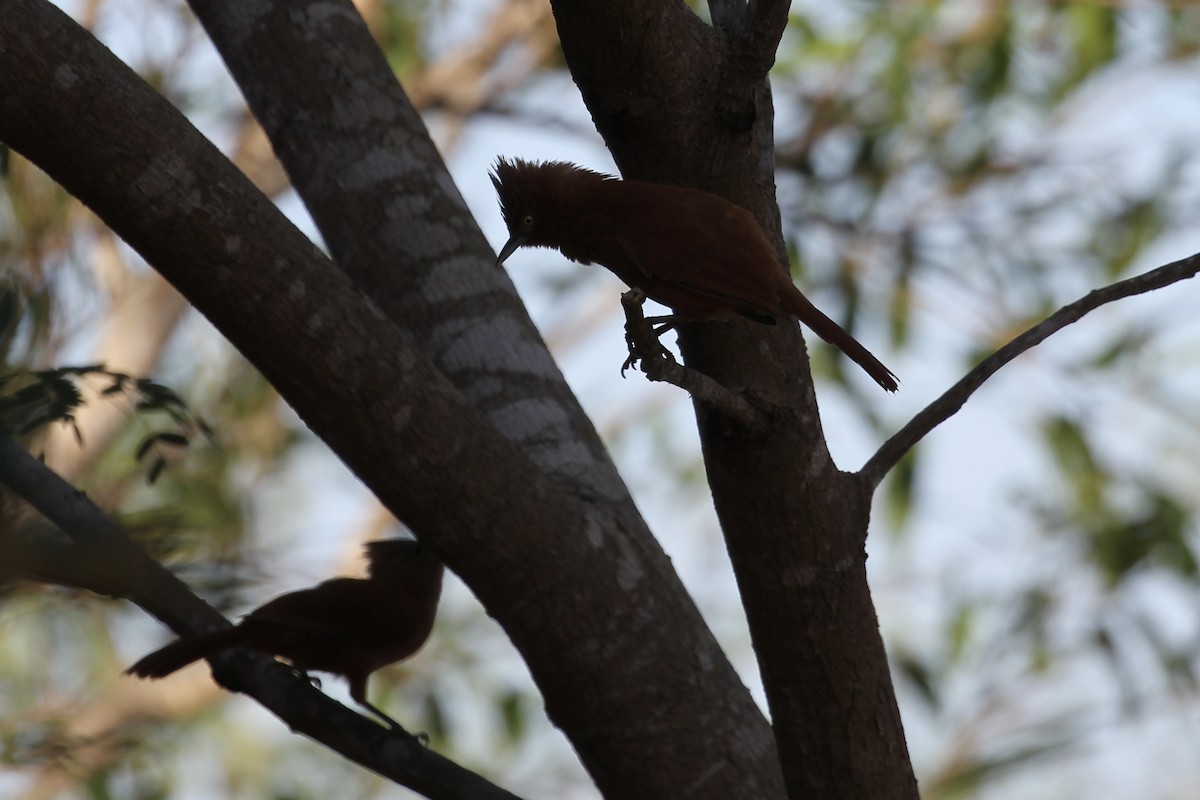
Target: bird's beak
pixel 510 247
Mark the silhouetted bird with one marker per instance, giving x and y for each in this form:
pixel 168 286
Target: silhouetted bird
pixel 693 251
pixel 345 626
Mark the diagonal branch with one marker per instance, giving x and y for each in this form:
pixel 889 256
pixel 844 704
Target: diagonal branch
pixel 102 558
pixel 949 403
pixel 537 523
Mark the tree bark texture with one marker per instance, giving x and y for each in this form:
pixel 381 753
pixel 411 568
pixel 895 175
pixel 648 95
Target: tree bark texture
pixel 681 102
pixel 482 452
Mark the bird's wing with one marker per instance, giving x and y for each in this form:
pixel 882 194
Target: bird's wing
pixel 714 249
pixel 323 608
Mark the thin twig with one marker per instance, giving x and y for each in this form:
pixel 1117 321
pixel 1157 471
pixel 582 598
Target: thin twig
pixel 945 406
pixel 647 354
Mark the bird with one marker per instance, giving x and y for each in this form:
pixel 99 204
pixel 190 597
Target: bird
pixel 345 626
pixel 691 250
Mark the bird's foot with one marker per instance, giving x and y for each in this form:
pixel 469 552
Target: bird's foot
pixel 387 721
pixel 313 680
pixel 641 335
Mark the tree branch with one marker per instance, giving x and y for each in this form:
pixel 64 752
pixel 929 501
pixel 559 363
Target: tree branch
pixel 657 364
pixel 102 558
pixel 754 28
pixel 678 103
pixel 584 592
pixel 953 399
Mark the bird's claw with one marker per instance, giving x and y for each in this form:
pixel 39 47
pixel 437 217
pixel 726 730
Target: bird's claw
pixel 634 357
pixel 312 680
pixel 638 351
pixel 641 337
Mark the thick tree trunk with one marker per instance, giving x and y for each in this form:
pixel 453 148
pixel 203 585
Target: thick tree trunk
pixel 683 103
pixel 482 453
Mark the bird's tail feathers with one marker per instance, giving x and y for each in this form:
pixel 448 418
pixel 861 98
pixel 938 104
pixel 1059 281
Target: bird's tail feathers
pixel 840 338
pixel 181 652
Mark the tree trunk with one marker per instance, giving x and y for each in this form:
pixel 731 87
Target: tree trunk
pixel 458 423
pixel 683 103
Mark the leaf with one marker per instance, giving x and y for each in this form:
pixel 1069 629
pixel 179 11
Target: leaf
pixel 1177 662
pixel 512 713
pixel 901 487
pixel 169 438
pixel 1105 643
pixel 1157 533
pixel 435 717
pixel 70 420
pixel 155 471
pixel 66 394
pixel 960 630
pixel 156 395
pixel 33 423
pixel 10 308
pixel 174 439
pixel 26 395
pixel 89 369
pixel 1138 224
pixel 975 772
pixel 1077 464
pixel 117 387
pixel 921 677
pixel 1126 345
pixel 990 76
pixel 1092 32
pixel 144 447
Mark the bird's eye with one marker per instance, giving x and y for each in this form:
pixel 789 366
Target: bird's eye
pixel 528 221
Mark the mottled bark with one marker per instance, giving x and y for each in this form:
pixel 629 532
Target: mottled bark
pixel 508 484
pixel 680 102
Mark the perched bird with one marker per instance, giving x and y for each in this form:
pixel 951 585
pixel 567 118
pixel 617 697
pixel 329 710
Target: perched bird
pixel 693 251
pixel 345 626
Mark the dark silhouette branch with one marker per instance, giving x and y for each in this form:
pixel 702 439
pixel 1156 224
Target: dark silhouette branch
pixel 647 353
pixel 100 557
pixel 952 400
pixel 403 234
pixel 682 103
pixel 755 28
pixel 513 494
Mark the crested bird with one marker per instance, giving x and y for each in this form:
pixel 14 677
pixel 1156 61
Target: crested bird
pixel 344 626
pixel 697 253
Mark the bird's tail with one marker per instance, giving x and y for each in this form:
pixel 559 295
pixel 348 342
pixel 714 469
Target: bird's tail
pixel 181 652
pixel 837 336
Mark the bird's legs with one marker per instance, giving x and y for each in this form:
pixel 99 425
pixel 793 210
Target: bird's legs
pixel 358 693
pixel 391 723
pixel 641 335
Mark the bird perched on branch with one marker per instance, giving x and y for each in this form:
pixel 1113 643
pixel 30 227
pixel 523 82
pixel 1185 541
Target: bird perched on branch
pixel 345 626
pixel 693 251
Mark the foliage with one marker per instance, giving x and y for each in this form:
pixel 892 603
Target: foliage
pixel 30 400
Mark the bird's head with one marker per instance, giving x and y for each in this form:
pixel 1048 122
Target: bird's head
pixel 538 200
pixel 402 559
